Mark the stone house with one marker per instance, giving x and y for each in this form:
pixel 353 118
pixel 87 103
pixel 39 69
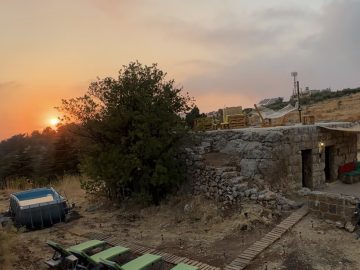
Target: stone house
pixel 287 157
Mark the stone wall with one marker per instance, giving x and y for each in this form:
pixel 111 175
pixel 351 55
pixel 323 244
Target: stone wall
pixel 229 165
pixel 225 185
pixel 334 207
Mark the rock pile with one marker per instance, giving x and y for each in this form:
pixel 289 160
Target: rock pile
pixel 225 185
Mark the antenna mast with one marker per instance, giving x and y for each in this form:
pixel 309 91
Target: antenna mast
pixel 294 74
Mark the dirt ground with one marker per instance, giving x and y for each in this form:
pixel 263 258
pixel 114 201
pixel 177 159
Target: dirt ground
pixel 312 244
pixel 190 227
pixel 339 187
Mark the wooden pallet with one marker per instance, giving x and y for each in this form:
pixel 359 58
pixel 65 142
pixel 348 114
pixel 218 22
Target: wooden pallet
pixel 204 123
pixel 255 249
pixel 308 120
pixel 236 121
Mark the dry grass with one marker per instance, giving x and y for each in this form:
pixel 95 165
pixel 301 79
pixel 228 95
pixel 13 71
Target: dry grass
pixel 69 184
pixel 70 187
pixel 191 218
pixel 6 258
pixel 338 109
pixel 11 242
pixel 17 184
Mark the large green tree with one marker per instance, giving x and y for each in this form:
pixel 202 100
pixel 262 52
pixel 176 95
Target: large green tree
pixel 132 132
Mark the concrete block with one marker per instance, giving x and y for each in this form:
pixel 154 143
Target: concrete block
pixel 313 196
pixel 332 198
pixel 332 209
pixel 324 207
pixel 313 205
pixel 340 201
pixel 340 211
pixel 332 217
pixel 349 212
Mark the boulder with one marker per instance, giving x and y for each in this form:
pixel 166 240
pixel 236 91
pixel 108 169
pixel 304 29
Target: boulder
pixel 241 187
pixel 236 180
pixel 349 227
pixel 187 208
pixel 269 195
pixel 248 167
pixel 339 224
pixel 304 191
pixel 229 175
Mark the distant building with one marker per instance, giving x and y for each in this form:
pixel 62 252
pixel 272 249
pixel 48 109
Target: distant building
pixel 327 90
pixel 306 92
pixel 309 92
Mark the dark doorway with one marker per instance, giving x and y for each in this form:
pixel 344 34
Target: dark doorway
pixel 306 156
pixel 329 163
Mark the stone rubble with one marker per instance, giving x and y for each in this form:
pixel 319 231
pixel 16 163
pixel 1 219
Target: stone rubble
pixel 226 186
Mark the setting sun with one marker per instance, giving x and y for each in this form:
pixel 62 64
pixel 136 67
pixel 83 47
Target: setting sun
pixel 54 121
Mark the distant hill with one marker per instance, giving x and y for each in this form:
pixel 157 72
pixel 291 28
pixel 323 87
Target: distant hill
pixel 315 97
pixel 342 105
pixel 343 108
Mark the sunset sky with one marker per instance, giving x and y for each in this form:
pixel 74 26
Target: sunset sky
pixel 223 52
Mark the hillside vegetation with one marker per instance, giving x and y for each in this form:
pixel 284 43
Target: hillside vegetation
pixel 345 108
pixel 342 105
pixel 314 98
pixel 39 157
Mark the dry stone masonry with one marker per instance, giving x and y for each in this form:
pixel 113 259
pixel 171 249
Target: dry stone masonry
pixel 260 163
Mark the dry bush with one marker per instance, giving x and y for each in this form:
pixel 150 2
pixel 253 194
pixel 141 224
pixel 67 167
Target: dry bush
pixel 21 183
pixel 185 209
pixel 191 209
pixel 203 210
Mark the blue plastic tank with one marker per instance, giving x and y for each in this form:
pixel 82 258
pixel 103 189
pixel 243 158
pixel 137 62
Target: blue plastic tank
pixel 40 207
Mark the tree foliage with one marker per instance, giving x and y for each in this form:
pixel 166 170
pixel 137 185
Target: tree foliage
pixel 132 130
pixel 40 156
pixel 192 116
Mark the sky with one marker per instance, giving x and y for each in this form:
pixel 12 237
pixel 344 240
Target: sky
pixel 223 52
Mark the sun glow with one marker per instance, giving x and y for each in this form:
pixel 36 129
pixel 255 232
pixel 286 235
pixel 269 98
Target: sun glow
pixel 54 121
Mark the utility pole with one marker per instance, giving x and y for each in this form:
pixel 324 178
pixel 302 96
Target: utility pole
pixel 294 75
pixel 299 105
